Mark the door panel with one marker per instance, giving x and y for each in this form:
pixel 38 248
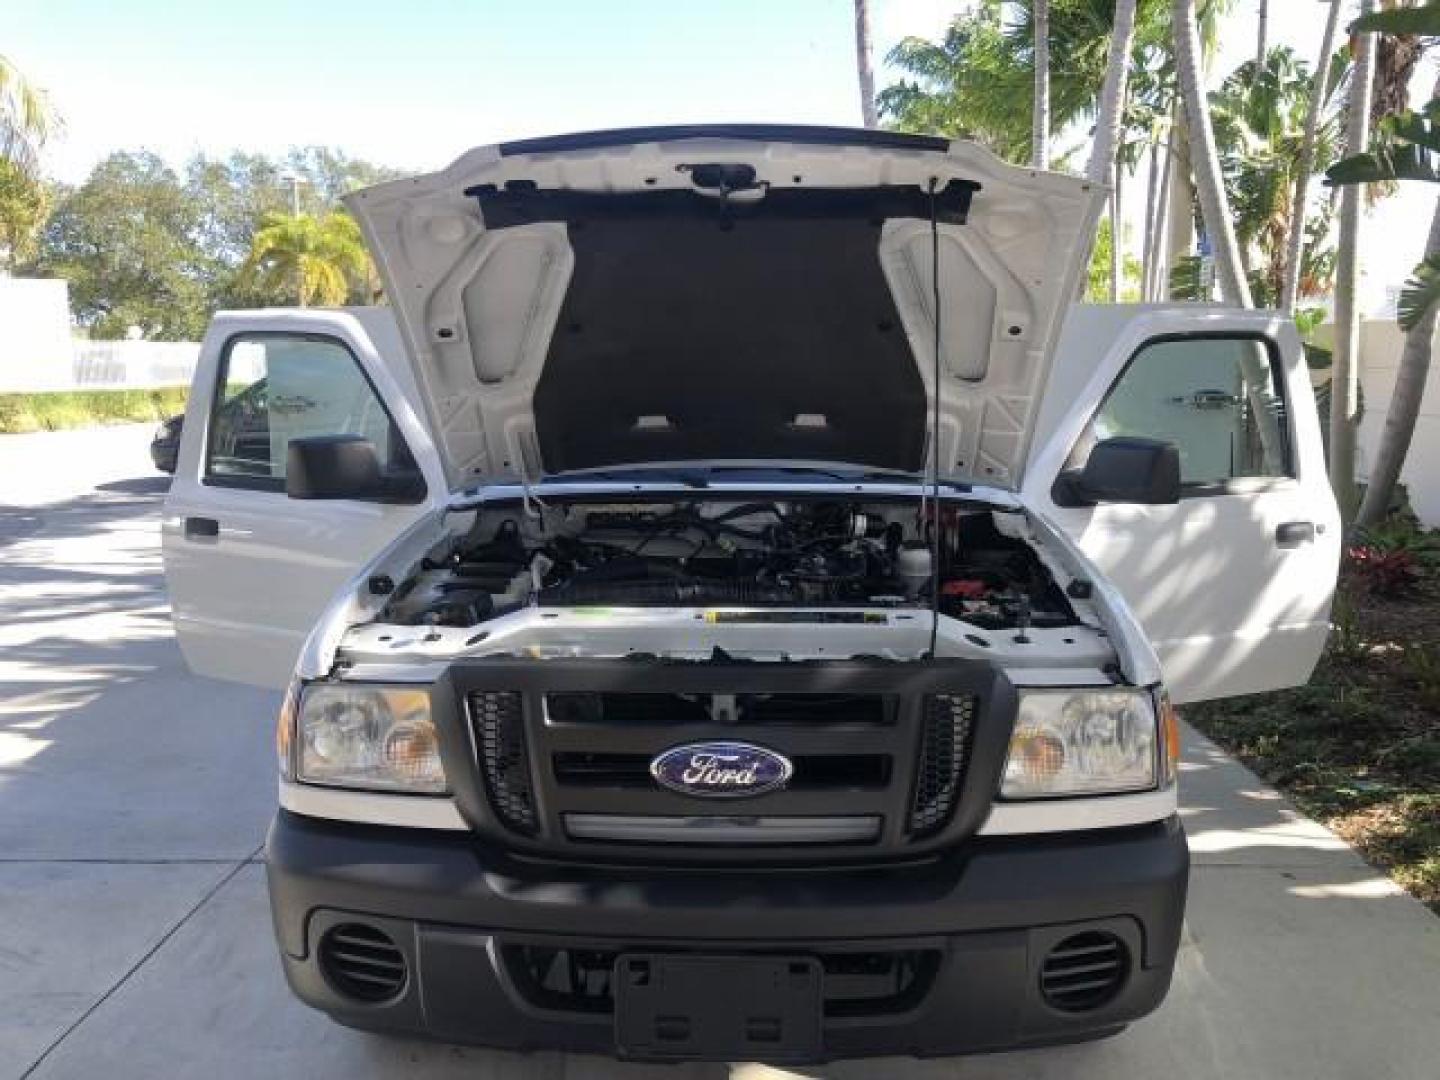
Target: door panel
pixel 249 570
pixel 1233 583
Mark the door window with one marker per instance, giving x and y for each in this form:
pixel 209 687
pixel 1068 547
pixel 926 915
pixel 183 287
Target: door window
pixel 1218 399
pixel 276 387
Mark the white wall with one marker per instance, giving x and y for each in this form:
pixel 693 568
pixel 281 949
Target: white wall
pixel 37 351
pixel 132 364
pixel 1381 343
pixel 34 334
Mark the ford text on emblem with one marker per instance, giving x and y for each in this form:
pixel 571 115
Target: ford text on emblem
pixel 723 769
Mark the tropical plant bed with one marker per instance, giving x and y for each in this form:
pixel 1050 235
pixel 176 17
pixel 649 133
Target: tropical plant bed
pixel 1359 747
pixel 57 410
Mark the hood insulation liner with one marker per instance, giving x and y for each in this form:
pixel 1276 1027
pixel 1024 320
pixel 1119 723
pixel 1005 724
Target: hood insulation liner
pixel 697 327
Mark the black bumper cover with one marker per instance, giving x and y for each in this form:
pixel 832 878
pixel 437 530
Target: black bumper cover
pixel 990 912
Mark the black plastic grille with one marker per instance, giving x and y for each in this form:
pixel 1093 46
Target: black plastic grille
pixel 564 752
pixel 362 962
pixel 1084 972
pixel 945 736
pixel 745 709
pixel 813 772
pixel 499 721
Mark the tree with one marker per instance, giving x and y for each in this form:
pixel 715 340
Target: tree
pixel 978 81
pixel 1040 110
pixel 1104 165
pixel 319 259
pixel 144 246
pixel 1262 34
pixel 1100 276
pixel 1204 161
pixel 1345 367
pixel 236 192
pixel 26 119
pixel 24 205
pixel 125 242
pixel 1406 147
pixel 1260 116
pixel 863 67
pixel 1319 91
pixel 1112 95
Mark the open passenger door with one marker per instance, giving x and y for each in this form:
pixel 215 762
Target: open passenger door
pixel 1233 582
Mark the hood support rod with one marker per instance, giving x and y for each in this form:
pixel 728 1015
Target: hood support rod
pixel 937 521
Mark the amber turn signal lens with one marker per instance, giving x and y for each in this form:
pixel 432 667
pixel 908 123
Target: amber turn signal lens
pixel 1170 732
pixel 285 729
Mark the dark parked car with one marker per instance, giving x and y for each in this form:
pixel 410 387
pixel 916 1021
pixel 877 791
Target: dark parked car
pixel 242 434
pixel 165 446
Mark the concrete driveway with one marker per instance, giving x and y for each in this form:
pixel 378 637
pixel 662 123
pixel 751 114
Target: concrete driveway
pixel 134 933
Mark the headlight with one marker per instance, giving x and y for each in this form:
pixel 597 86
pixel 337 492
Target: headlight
pixel 376 737
pixel 1082 742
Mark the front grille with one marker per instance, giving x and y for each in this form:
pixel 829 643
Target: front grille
pixel 499 720
pixel 739 709
pixel 739 830
pixel 879 754
pixel 944 741
pixel 856 984
pixel 813 772
pixel 362 963
pixel 1084 971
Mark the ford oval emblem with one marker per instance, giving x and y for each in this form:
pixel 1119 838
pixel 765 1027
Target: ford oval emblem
pixel 721 769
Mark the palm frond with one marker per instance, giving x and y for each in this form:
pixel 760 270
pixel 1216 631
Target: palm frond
pixel 314 259
pixel 1423 20
pixel 1406 147
pixel 27 119
pixel 1419 294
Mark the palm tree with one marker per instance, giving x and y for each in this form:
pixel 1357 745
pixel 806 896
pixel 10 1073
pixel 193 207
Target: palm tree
pixel 978 80
pixel 1260 117
pixel 26 119
pixel 862 64
pixel 1262 33
pixel 1345 367
pixel 1410 380
pixel 1040 110
pixel 1112 95
pixel 1215 207
pixel 1204 161
pixel 316 259
pixel 1318 93
pixel 1407 147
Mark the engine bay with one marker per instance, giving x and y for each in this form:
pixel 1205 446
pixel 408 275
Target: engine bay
pixel 757 554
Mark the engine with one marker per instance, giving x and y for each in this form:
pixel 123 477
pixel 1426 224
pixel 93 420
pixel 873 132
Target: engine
pixel 752 554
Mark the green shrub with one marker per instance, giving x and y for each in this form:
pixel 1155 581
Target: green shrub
pixel 56 410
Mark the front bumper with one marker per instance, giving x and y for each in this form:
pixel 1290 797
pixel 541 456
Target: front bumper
pixel 984 917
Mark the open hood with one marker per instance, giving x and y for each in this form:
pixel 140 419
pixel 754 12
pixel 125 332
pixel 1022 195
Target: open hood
pixel 729 294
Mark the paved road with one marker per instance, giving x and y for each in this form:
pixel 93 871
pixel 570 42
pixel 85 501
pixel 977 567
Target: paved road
pixel 134 934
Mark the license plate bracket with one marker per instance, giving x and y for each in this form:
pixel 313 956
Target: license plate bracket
pixel 673 1007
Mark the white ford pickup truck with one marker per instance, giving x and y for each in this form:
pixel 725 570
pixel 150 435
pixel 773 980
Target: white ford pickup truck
pixel 732 599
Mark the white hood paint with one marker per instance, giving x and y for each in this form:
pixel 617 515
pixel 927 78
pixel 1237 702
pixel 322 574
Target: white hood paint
pixel 478 307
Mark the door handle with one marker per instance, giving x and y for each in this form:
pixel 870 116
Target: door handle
pixel 197 527
pixel 1294 533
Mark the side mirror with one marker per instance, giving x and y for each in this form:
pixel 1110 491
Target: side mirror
pixel 345 467
pixel 1124 470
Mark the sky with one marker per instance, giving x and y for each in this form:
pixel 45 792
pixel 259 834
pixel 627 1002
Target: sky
pixel 414 83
